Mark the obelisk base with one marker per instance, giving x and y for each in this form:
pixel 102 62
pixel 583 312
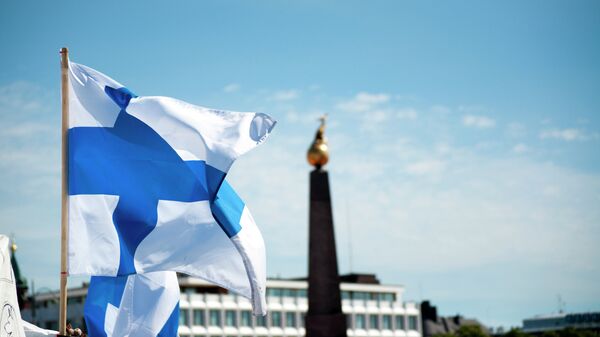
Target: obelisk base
pixel 324 317
pixel 333 325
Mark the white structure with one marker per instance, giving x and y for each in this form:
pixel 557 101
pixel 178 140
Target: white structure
pixel 371 310
pixel 206 310
pixel 554 322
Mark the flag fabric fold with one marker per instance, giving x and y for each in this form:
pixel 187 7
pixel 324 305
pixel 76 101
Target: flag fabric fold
pixel 11 323
pixel 32 330
pixel 147 191
pixel 234 217
pixel 140 305
pixel 10 315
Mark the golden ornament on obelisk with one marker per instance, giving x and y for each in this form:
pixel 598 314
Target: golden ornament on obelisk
pixel 318 153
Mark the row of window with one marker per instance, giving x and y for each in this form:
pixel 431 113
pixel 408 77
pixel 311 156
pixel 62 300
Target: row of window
pixel 383 322
pixel 230 318
pixel 346 295
pixel 361 295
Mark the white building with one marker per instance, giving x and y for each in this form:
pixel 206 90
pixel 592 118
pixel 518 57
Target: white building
pixel 553 322
pixel 371 309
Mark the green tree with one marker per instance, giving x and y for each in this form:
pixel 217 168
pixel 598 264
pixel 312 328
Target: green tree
pixel 470 331
pixel 550 334
pixel 514 332
pixel 465 331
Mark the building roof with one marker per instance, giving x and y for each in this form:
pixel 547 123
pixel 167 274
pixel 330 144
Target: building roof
pixel 434 324
pixel 361 278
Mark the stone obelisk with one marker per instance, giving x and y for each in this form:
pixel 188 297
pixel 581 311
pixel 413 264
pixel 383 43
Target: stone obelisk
pixel 324 317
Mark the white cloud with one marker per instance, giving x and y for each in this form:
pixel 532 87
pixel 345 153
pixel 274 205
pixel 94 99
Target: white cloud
pixel 371 110
pixel 481 122
pixel 30 140
pixel 474 201
pixel 21 99
pixel 472 109
pixel 425 167
pixel 407 113
pixel 440 109
pixel 372 120
pixel 564 134
pixel 284 95
pixel 520 148
pixel 310 117
pixel 443 148
pixel 30 174
pixel 363 101
pixel 480 202
pixel 232 87
pixel 26 129
pixel 378 116
pixel 516 130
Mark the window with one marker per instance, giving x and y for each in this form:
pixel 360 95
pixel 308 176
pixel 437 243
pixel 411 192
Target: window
pixel 301 292
pixel 400 322
pixel 386 322
pixel 387 297
pixel 261 321
pixel 275 318
pixel 359 295
pixel 274 292
pixel 290 319
pixel 360 321
pixel 302 319
pixel 412 322
pixel 245 318
pixel 215 317
pixel 183 317
pixel 73 300
pixel 373 322
pixel 345 295
pixel 198 317
pixel 230 318
pixel 289 293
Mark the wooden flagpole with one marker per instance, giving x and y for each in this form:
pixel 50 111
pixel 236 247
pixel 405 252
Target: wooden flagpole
pixel 64 216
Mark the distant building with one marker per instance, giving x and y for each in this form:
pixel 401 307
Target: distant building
pixel 434 324
pixel 553 322
pixel 371 309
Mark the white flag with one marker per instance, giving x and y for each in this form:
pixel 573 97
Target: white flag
pixel 10 315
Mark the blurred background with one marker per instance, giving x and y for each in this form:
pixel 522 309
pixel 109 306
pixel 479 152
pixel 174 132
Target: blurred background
pixel 464 135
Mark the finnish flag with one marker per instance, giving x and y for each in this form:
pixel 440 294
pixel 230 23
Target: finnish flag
pixel 142 305
pixel 147 190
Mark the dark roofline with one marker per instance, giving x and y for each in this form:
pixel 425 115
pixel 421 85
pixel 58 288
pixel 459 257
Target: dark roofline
pixel 359 278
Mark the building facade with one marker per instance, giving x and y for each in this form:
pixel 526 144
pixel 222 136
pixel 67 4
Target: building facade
pixel 371 309
pixel 554 322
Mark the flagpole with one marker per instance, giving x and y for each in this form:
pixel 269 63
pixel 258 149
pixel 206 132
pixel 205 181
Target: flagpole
pixel 64 216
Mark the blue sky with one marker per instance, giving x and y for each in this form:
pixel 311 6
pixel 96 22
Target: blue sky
pixel 464 135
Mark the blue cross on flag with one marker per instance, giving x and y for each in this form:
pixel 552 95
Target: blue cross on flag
pixel 147 190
